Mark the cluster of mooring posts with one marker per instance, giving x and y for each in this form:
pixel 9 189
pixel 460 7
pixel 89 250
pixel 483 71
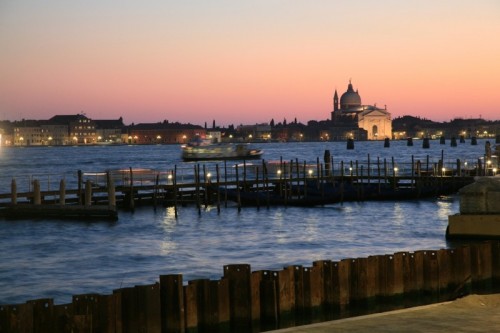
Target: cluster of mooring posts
pixel 97 194
pixel 246 301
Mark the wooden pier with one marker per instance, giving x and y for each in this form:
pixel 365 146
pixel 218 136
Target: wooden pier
pixel 266 183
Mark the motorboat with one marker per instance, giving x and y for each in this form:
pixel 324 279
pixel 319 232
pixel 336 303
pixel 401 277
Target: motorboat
pixel 199 150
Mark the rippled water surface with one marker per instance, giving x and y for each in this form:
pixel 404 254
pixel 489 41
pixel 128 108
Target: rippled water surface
pixel 58 259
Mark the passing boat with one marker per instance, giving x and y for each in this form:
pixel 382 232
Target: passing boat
pixel 200 150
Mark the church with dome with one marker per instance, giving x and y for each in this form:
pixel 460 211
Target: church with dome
pixel 351 119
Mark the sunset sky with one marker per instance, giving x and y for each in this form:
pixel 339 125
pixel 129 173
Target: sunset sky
pixel 246 62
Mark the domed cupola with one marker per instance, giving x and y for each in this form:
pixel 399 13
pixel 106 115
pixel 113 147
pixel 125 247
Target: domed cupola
pixel 350 99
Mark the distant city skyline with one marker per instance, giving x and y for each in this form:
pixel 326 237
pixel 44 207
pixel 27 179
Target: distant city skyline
pixel 247 62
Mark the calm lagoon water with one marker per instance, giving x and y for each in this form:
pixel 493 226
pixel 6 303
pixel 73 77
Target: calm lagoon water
pixel 57 259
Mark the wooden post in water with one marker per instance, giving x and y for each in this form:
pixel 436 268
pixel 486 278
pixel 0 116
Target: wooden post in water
pixel 385 171
pixel 258 187
pixel 266 177
pixel 298 176
pixel 238 194
pixel 205 185
pixel 412 171
pixel 304 179
pixel 131 201
pixel 79 194
pixel 318 180
pixel 111 191
pixel 13 192
pixel 37 199
pixel 341 182
pixel 225 184
pixel 218 187
pixel 358 182
pixel 88 193
pixel 155 190
pixel 197 184
pixel 368 169
pixel 326 159
pixel 378 173
pixel 176 191
pixel 393 174
pixel 62 192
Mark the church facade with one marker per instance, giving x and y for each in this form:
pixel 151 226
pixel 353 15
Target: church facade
pixel 352 119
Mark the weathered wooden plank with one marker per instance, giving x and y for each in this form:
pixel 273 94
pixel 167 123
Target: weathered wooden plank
pixel 398 272
pixel 344 281
pixel 43 315
pixel 17 318
pixel 191 308
pixel 219 306
pixel 290 295
pixel 372 277
pixel 172 303
pixel 148 308
pixel 240 296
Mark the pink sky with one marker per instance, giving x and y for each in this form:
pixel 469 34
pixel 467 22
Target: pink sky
pixel 247 62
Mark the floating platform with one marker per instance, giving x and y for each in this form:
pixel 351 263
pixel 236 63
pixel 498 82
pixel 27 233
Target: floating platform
pixel 29 211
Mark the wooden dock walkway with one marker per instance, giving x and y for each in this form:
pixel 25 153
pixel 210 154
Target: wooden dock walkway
pixel 267 183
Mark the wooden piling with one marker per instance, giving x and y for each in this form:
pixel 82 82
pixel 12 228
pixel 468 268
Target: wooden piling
pixel 344 274
pixel 264 301
pixel 290 296
pixel 95 311
pixel 43 315
pixel 131 191
pixel 80 185
pixel 191 308
pixel 148 307
pixel 88 193
pixel 238 194
pixel 62 192
pixel 326 159
pixel 197 302
pixel 218 187
pixel 13 192
pixel 172 303
pixel 176 190
pixel 219 307
pixel 111 191
pixel 238 277
pixel 37 199
pixel 426 143
pixel 197 186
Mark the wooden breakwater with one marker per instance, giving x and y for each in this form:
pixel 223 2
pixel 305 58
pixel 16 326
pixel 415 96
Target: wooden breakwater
pixel 246 301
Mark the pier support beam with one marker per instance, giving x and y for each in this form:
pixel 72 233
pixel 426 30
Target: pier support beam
pixel 88 193
pixel 13 192
pixel 37 198
pixel 62 192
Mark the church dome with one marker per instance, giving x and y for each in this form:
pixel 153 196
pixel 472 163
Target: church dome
pixel 350 98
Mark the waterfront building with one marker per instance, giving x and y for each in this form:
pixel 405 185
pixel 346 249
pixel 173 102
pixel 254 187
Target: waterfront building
pixel 257 132
pixel 162 133
pixel 352 119
pixel 81 128
pixel 109 131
